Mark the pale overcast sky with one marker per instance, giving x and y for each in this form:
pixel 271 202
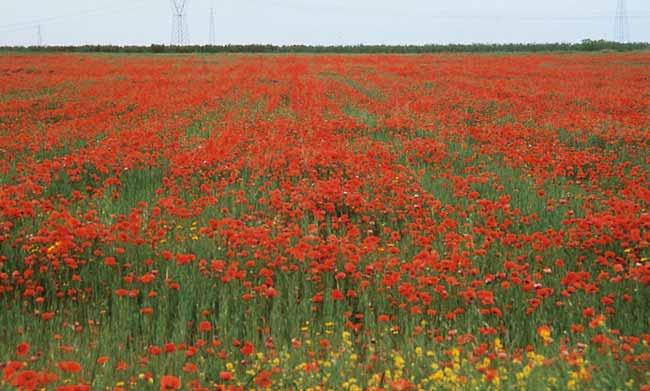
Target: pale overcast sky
pixel 320 22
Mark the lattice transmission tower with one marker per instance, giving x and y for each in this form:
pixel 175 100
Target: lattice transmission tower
pixel 213 32
pixel 180 28
pixel 621 24
pixel 39 36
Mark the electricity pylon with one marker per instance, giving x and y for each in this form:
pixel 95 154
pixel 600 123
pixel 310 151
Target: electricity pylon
pixel 213 33
pixel 621 25
pixel 39 36
pixel 180 28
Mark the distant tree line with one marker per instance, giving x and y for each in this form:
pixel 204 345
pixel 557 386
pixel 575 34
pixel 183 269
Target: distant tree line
pixel 586 45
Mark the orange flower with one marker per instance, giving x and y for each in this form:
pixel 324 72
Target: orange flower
pixel 402 385
pixel 597 321
pixel 545 333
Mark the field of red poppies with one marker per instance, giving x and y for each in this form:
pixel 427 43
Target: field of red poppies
pixel 325 222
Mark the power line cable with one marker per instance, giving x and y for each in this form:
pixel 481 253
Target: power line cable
pixel 348 8
pixel 28 25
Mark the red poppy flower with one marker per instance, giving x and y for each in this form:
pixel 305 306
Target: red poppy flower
pixel 22 349
pixel 263 379
pixel 225 376
pixel 247 349
pixel 69 366
pixel 169 382
pixel 205 326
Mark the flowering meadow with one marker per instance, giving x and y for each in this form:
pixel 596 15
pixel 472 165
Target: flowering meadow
pixel 325 222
